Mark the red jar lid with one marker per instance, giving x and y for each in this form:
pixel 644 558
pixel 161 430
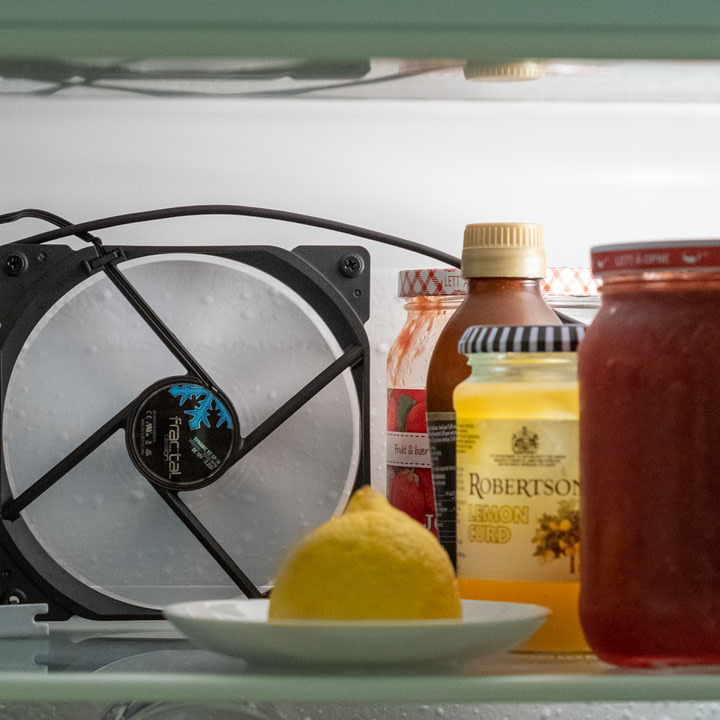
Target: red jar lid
pixel 443 281
pixel 656 256
pixel 569 281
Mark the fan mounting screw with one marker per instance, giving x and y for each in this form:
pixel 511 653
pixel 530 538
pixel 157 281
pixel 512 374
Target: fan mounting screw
pixel 14 597
pixel 15 264
pixel 351 265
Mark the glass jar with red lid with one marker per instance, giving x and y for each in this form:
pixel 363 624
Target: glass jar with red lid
pixel 649 373
pixel 431 297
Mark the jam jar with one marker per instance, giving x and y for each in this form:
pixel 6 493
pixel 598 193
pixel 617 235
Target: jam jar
pixel 431 296
pixel 649 387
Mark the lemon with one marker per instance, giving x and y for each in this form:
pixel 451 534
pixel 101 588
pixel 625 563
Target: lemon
pixel 373 562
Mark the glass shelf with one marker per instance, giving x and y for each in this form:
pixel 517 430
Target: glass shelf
pixel 151 662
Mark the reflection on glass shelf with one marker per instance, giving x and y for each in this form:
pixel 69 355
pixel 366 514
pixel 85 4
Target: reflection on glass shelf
pixel 443 79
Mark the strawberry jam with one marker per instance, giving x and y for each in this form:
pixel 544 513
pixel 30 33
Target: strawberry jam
pixel 649 372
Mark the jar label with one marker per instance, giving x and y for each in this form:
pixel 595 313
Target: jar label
pixel 408 449
pixel 518 500
pixel 409 479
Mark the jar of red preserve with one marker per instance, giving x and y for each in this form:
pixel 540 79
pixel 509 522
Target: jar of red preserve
pixel 431 297
pixel 649 374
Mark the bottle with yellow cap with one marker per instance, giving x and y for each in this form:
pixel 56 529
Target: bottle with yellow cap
pixel 504 264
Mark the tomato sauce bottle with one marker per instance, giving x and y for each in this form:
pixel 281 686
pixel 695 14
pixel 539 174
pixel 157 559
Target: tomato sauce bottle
pixel 649 372
pixel 504 265
pixel 431 297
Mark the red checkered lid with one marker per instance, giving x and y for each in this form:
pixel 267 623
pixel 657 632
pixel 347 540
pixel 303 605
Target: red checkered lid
pixel 570 281
pixel 442 281
pixel 656 256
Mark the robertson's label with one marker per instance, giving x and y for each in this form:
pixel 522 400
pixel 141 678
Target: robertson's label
pixel 409 479
pixel 518 500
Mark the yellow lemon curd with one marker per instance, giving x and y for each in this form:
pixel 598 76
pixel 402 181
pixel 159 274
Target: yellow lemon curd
pixel 562 631
pixel 373 562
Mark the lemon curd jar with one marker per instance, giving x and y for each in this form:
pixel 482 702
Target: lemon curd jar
pixel 518 482
pixel 649 371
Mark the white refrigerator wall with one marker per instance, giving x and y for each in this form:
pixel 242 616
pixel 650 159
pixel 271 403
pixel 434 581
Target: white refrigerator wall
pixel 590 173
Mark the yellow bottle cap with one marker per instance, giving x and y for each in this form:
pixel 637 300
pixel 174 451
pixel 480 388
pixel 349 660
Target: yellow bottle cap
pixel 515 71
pixel 503 250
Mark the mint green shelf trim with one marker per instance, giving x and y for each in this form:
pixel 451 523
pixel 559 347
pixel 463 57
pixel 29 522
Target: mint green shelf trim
pixel 610 29
pixel 198 688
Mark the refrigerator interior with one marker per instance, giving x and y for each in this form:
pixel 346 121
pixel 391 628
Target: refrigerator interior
pixel 590 171
pixel 598 150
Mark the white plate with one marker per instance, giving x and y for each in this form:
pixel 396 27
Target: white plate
pixel 240 628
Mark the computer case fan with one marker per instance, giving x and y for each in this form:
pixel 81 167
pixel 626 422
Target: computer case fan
pixel 173 418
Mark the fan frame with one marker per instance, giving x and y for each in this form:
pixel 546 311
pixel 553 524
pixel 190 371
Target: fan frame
pixel 333 279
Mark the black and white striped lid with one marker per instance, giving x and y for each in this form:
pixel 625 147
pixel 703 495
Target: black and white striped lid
pixel 521 338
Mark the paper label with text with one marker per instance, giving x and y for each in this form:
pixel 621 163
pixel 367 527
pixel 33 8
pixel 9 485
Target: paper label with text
pixel 518 500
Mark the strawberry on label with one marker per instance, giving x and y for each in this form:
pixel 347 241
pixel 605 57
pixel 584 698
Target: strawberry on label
pixel 411 491
pixel 416 395
pixel 415 421
pixel 409 487
pixel 406 495
pixel 400 404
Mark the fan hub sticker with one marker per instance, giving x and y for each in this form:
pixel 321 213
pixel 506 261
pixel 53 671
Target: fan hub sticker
pixel 181 434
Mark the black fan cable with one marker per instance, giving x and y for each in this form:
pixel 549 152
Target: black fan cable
pixel 47 216
pixel 328 76
pixel 83 230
